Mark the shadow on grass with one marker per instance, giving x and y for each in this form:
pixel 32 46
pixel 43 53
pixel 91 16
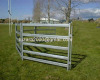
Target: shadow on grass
pixel 76 59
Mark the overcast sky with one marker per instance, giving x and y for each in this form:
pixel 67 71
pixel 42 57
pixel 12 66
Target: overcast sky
pixel 22 9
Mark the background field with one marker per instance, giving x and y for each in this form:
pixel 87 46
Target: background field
pixel 85 57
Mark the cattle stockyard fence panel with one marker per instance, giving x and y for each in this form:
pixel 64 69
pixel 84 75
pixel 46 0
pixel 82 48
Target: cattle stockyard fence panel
pixel 20 43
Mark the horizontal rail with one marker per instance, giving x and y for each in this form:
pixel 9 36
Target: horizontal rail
pixel 45 29
pixel 39 29
pixel 46 46
pixel 46 36
pixel 28 30
pixel 18 32
pixel 18 24
pixel 48 33
pixel 18 46
pixel 46 61
pixel 46 54
pixel 18 40
pixel 47 25
pixel 18 51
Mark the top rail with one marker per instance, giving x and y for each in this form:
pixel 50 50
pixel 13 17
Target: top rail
pixel 47 25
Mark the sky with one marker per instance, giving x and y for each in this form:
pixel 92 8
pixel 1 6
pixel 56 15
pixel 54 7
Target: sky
pixel 22 9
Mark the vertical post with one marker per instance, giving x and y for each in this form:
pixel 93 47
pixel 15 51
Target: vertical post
pixel 68 61
pixel 48 11
pixel 35 30
pixel 10 17
pixel 55 30
pixel 71 45
pixel 9 27
pixel 15 33
pixel 10 20
pixel 21 35
pixel 35 33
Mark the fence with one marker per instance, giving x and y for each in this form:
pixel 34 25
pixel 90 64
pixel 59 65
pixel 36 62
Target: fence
pixel 20 34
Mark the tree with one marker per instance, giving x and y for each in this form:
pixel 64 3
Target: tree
pixel 25 21
pixel 29 20
pixel 66 6
pixel 0 21
pixel 6 20
pixel 49 11
pixel 14 21
pixel 68 12
pixel 37 11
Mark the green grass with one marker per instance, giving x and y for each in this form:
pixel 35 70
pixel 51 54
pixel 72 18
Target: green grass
pixel 85 57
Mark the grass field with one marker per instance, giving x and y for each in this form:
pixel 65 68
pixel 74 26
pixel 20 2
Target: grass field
pixel 85 57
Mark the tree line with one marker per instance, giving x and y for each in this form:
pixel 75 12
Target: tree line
pixel 14 21
pixel 47 8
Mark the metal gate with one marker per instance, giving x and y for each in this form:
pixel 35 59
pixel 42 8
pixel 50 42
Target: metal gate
pixel 20 34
